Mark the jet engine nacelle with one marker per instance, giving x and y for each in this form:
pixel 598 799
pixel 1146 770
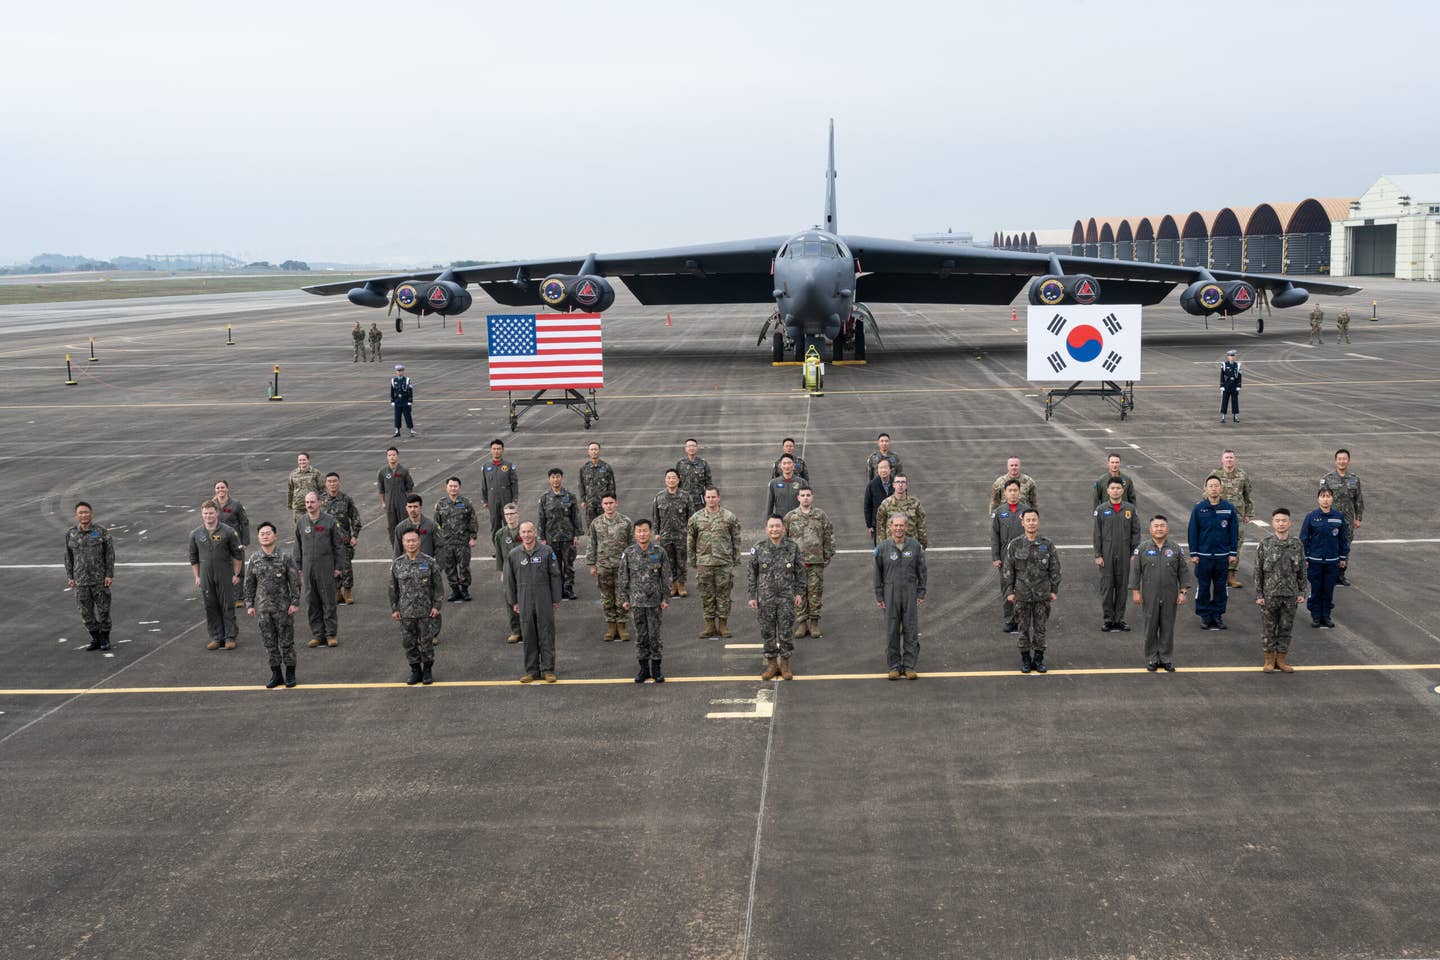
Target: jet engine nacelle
pixel 367 296
pixel 1239 296
pixel 445 297
pixel 1203 297
pixel 1290 297
pixel 589 293
pixel 1052 291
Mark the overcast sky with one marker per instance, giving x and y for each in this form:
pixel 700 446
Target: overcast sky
pixel 427 130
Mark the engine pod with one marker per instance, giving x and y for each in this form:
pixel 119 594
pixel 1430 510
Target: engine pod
pixel 1082 289
pixel 1047 291
pixel 592 293
pixel 1203 297
pixel 1239 296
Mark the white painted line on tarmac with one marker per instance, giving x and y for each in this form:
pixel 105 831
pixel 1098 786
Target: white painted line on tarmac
pixel 1297 343
pixel 764 707
pixel 744 646
pixel 1363 356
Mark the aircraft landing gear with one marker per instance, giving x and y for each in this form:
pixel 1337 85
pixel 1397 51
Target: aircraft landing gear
pixel 777 347
pixel 858 349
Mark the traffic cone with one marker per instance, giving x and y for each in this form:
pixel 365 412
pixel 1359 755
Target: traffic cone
pixel 1014 317
pixel 459 327
pixel 667 319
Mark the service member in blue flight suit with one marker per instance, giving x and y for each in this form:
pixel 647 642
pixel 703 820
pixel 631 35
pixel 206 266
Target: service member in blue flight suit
pixel 1214 538
pixel 1326 538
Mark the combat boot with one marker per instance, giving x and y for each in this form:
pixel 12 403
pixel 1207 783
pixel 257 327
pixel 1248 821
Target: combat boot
pixel 709 629
pixel 1282 665
pixel 610 632
pixel 674 588
pixel 624 634
pixel 801 628
pixel 680 584
pixel 785 673
pixel 454 595
pixel 655 671
pixel 276 678
pixel 105 640
pixel 1026 664
pixel 1233 581
pixel 340 596
pixel 1039 661
pixel 772 669
pixel 427 674
pixel 215 645
pixel 314 642
pixel 1269 662
pixel 332 641
pixel 512 638
pixel 414 675
pixel 290 675
pixel 229 644
pixel 94 643
pixel 644 672
pixel 721 629
pixel 349 596
pixel 815 628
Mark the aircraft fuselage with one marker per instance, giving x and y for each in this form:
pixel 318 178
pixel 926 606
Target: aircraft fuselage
pixel 814 285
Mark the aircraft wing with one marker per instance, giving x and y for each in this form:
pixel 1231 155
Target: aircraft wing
pixel 738 271
pixel 900 271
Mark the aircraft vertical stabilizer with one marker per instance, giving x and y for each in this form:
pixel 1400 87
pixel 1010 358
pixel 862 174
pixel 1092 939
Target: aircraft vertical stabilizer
pixel 830 223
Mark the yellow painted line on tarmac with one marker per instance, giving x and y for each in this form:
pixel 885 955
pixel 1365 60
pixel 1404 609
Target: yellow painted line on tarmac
pixel 726 678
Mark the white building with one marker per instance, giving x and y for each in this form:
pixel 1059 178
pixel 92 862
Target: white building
pixel 1392 230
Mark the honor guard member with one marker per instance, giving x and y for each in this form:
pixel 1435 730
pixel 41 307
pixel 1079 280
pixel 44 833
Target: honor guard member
pixel 814 534
pixel 787 449
pixel 89 571
pixel 880 487
pixel 1214 537
pixel 1117 534
pixel 303 479
pixel 272 595
pixel 645 578
pixel 1349 500
pixel 610 533
pixel 560 524
pixel 1230 376
pixel 341 506
pixel 504 540
pixel 1005 526
pixel 671 511
pixel 402 398
pixel 395 484
pixel 776 585
pixel 499 484
pixel 1279 589
pixel 783 494
pixel 415 603
pixel 901 502
pixel 1235 487
pixel 1101 487
pixel 216 560
pixel 597 478
pixel 1032 579
pixel 358 335
pixel 1317 323
pixel 375 336
pixel 1158 578
pixel 900 578
pixel 1028 491
pixel 233 515
pixel 320 552
pixel 882 452
pixel 694 475
pixel 532 586
pixel 457 526
pixel 1326 539
pixel 1342 324
pixel 712 539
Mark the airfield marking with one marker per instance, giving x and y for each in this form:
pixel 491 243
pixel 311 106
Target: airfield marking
pixel 763 703
pixel 1297 343
pixel 749 678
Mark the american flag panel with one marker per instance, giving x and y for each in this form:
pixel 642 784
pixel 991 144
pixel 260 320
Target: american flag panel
pixel 547 351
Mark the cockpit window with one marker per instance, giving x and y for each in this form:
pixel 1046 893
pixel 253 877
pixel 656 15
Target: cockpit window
pixel 810 248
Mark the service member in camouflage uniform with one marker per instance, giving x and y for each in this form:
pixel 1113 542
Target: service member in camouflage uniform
pixel 814 534
pixel 89 571
pixel 303 479
pixel 532 586
pixel 775 581
pixel 645 578
pixel 320 551
pixel 1032 579
pixel 1029 493
pixel 499 484
pixel 1116 535
pixel 902 503
pixel 1005 526
pixel 1235 487
pixel 216 561
pixel 1159 573
pixel 1280 579
pixel 694 475
pixel 233 515
pixel 670 512
pixel 375 336
pixel 1349 500
pixel 458 528
pixel 787 449
pixel 610 533
pixel 504 540
pixel 395 484
pixel 343 508
pixel 272 595
pixel 415 603
pixel 1342 325
pixel 560 524
pixel 901 577
pixel 597 478
pixel 1317 325
pixel 712 540
pixel 358 335
pixel 882 452
pixel 1100 490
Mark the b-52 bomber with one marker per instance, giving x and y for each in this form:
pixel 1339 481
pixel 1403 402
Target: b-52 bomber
pixel 820 281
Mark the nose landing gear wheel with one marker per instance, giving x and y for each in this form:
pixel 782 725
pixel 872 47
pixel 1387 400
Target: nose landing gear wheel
pixel 858 350
pixel 777 348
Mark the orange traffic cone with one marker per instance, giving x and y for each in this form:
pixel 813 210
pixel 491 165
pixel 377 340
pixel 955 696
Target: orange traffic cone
pixel 459 327
pixel 1014 317
pixel 667 319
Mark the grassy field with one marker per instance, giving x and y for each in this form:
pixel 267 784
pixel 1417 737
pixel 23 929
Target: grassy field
pixel 126 287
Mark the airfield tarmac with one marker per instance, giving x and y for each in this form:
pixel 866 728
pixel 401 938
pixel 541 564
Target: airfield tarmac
pixel 159 802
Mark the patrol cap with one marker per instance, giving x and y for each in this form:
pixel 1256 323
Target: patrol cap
pixel 1230 353
pixel 400 367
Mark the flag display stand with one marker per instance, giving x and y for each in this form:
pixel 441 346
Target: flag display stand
pixel 1121 398
pixel 582 405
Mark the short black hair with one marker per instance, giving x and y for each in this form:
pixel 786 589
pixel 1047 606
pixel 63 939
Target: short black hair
pixel 1034 510
pixel 332 473
pixel 395 450
pixel 609 496
pixel 804 487
pixel 499 441
pixel 456 479
pixel 85 504
pixel 265 524
pixel 691 440
pixel 672 470
pixel 885 435
pixel 787 440
pixel 1159 516
pixel 642 522
pixel 1278 511
pixel 1012 482
pixel 786 456
pixel 412 532
pixel 713 487
pixel 555 471
pixel 1342 450
pixel 1114 482
pixel 774 516
pixel 415 498
pixel 1216 477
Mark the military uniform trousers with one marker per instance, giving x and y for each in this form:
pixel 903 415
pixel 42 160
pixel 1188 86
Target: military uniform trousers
pixel 347 576
pixel 902 634
pixel 1322 577
pixel 675 550
pixel 277 632
pixel 647 632
pixel 1211 592
pixel 1032 616
pixel 497 516
pixel 537 630
pixel 1234 561
pixel 1159 630
pixel 219 595
pixel 1114 587
pixel 1277 620
pixel 1229 400
pixel 1007 606
pixel 608 580
pixel 814 590
pixel 715 584
pixel 565 557
pixel 456 563
pixel 93 599
pixel 417 637
pixel 392 517
pixel 777 626
pixel 319 585
pixel 359 350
